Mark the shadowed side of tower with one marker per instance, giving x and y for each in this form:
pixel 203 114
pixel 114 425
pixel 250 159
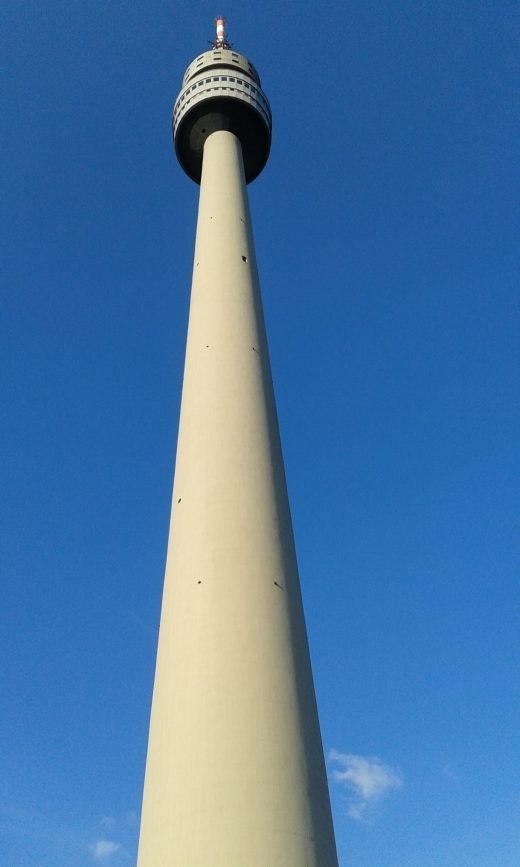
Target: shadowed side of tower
pixel 235 774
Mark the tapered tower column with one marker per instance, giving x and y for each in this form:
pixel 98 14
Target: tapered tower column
pixel 235 774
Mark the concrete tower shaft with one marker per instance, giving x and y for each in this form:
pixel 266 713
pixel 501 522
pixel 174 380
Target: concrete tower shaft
pixel 235 775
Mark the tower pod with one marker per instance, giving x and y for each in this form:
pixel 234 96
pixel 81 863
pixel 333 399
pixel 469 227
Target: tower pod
pixel 221 91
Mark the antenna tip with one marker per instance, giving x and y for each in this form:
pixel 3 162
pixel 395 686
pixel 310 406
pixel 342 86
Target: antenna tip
pixel 220 39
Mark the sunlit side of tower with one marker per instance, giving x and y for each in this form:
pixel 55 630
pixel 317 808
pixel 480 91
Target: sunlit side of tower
pixel 235 775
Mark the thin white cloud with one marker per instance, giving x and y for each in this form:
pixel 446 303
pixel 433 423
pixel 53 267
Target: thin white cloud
pixel 131 818
pixel 367 780
pixel 448 771
pixel 102 850
pixel 108 821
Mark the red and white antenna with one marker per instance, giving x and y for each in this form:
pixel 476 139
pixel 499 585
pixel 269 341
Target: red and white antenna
pixel 220 40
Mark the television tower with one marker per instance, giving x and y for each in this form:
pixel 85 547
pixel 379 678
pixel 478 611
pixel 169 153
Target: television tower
pixel 235 775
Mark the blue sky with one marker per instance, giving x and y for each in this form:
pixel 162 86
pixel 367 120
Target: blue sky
pixel 386 226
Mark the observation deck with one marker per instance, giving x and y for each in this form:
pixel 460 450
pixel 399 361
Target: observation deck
pixel 221 90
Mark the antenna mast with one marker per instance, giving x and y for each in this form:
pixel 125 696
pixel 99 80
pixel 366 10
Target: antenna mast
pixel 220 38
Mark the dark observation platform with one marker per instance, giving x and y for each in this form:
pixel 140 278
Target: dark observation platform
pixel 221 91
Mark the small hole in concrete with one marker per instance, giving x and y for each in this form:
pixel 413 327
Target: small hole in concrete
pixel 244 258
pixel 199 582
pixel 180 498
